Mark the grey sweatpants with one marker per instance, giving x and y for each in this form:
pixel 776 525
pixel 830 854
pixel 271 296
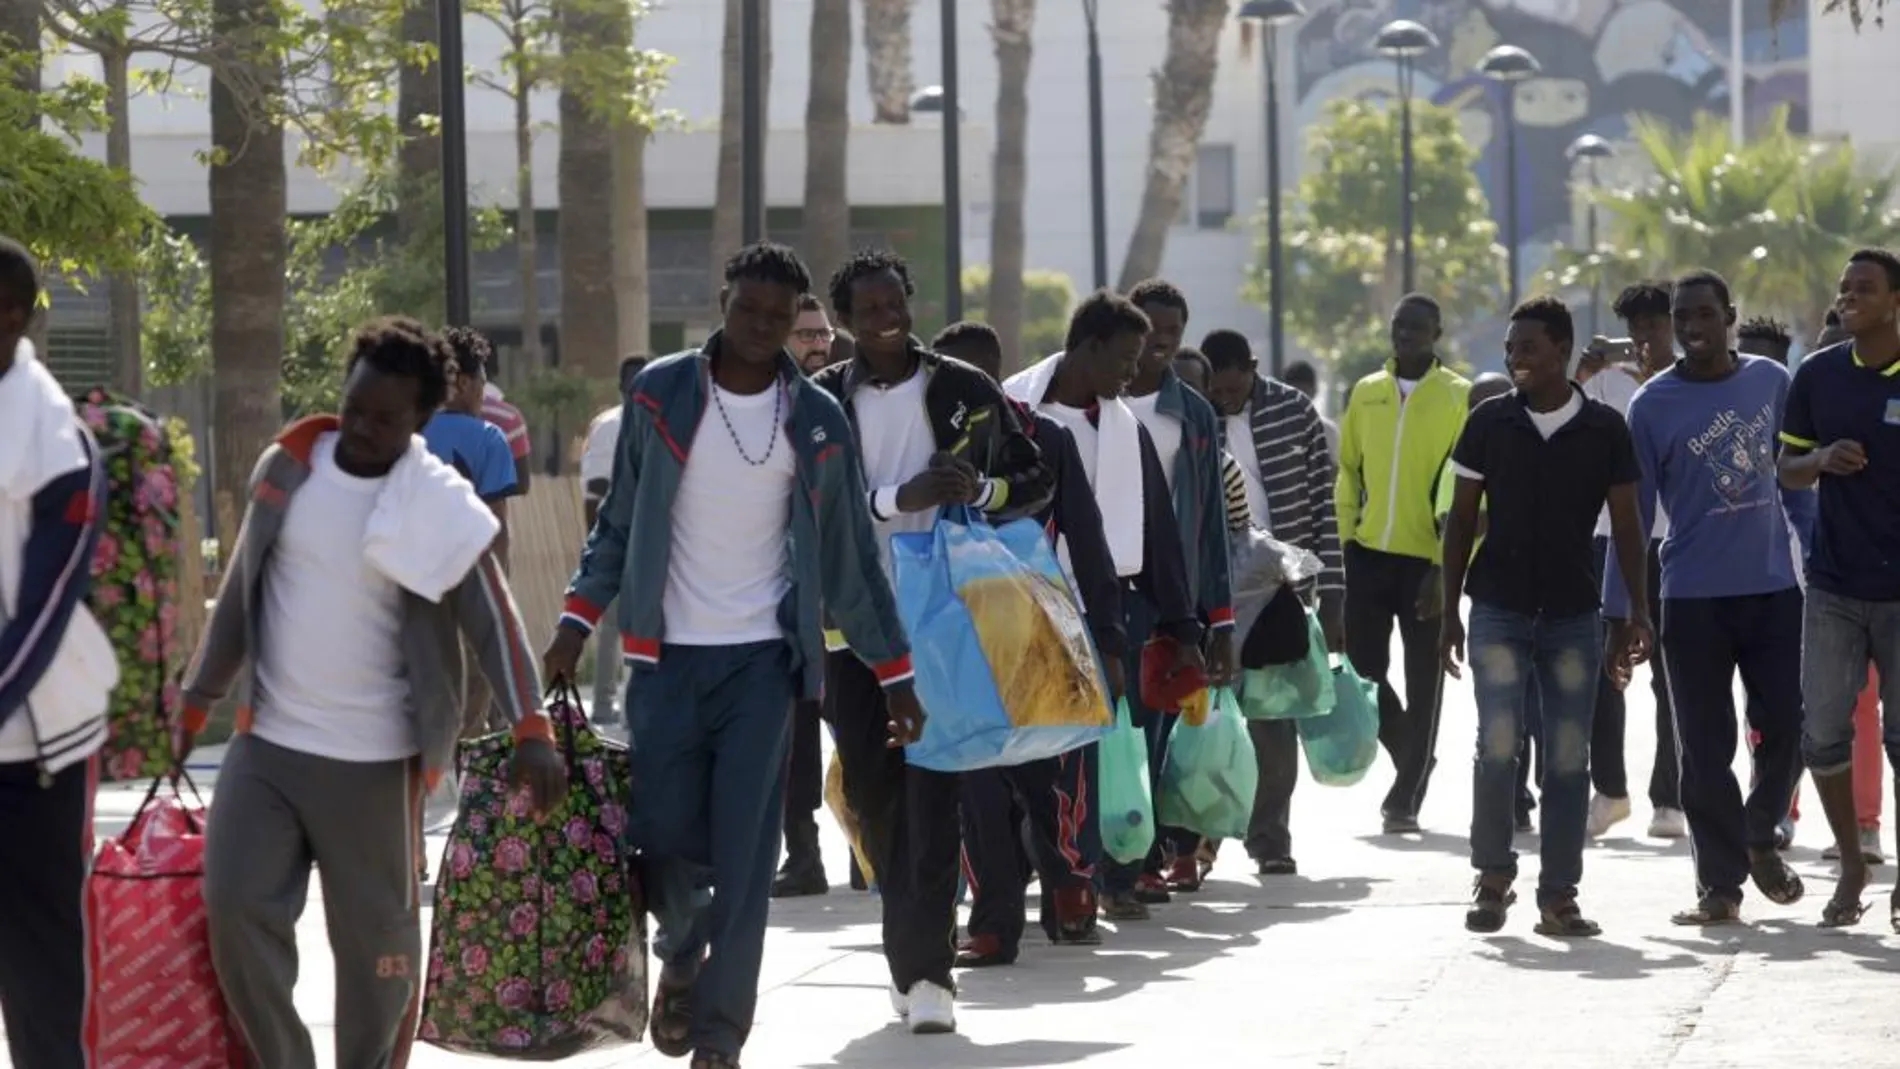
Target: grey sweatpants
pixel 275 813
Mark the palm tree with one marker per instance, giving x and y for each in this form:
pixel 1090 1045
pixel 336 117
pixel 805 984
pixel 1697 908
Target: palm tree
pixel 1837 205
pixel 827 236
pixel 728 227
pixel 590 327
pixel 1184 94
pixel 247 249
pixel 1012 23
pixel 887 59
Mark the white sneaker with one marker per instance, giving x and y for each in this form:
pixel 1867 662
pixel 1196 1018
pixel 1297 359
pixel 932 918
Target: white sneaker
pixel 1668 824
pixel 900 1003
pixel 1607 812
pixel 933 1010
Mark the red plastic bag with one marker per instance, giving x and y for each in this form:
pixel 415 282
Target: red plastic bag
pixel 155 1001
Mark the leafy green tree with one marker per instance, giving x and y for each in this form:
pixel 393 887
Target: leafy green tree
pixel 1048 298
pixel 1776 216
pixel 1343 246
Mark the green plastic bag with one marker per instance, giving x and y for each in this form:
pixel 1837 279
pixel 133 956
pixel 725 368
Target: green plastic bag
pixel 1341 747
pixel 1127 798
pixel 1291 691
pixel 1209 776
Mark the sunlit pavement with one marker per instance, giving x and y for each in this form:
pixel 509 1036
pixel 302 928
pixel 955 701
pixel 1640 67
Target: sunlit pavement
pixel 1360 961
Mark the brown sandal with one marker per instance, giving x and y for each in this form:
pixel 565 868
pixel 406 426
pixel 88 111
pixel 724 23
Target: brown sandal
pixel 671 1026
pixel 712 1059
pixel 1565 920
pixel 1709 912
pixel 1774 879
pixel 1491 902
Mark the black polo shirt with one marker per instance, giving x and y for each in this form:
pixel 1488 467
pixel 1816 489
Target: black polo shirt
pixel 1856 548
pixel 1543 497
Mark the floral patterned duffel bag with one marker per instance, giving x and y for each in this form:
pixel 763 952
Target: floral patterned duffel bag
pixel 538 949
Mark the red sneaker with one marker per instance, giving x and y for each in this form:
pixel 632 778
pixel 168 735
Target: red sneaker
pixel 1184 875
pixel 983 952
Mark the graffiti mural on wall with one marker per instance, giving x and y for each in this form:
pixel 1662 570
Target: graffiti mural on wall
pixel 1605 62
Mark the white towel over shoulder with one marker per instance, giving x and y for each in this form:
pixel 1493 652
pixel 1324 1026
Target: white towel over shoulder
pixel 1115 470
pixel 429 527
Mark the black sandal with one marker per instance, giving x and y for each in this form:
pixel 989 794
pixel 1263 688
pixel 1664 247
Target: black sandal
pixel 1774 879
pixel 671 1027
pixel 1843 914
pixel 1709 912
pixel 712 1059
pixel 1564 920
pixel 1893 910
pixel 1491 902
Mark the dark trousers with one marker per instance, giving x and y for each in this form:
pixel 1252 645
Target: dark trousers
pixel 1156 726
pixel 1051 800
pixel 1706 641
pixel 1608 770
pixel 45 846
pixel 907 821
pixel 1382 588
pixel 707 734
pixel 805 768
pixel 1276 747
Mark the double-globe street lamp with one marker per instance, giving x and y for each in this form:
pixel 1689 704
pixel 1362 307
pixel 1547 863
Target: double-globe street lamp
pixel 944 100
pixel 1590 148
pixel 1403 41
pixel 1508 65
pixel 1269 15
pixel 1098 171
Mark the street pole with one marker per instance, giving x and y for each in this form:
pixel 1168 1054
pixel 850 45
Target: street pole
pixel 1510 187
pixel 752 121
pixel 952 171
pixel 1409 273
pixel 1275 256
pixel 1590 242
pixel 1737 76
pixel 454 165
pixel 1098 170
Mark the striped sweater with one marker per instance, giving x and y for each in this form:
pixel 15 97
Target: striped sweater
pixel 1297 472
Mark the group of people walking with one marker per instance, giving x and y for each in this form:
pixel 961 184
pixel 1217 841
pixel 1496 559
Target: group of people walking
pixel 1660 498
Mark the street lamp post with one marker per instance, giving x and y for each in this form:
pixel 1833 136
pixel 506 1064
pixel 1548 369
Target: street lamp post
pixel 1590 148
pixel 454 140
pixel 1508 65
pixel 1098 170
pixel 1270 14
pixel 941 99
pixel 1403 41
pixel 752 121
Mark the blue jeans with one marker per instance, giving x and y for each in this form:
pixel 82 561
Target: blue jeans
pixel 1839 637
pixel 708 729
pixel 1514 655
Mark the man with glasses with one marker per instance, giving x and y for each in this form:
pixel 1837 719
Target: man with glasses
pixel 812 335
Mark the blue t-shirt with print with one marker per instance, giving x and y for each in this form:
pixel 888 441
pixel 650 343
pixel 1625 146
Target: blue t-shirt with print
pixel 477 449
pixel 1707 453
pixel 1835 397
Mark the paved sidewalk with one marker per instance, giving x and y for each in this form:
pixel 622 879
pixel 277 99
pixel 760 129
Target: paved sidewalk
pixel 1361 961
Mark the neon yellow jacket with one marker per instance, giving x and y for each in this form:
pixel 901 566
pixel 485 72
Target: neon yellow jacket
pixel 1391 456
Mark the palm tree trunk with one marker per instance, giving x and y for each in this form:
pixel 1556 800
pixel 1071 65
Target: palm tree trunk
pixel 887 63
pixel 527 238
pixel 122 289
pixel 630 239
pixel 728 228
pixel 418 98
pixel 590 328
pixel 1184 93
pixel 1012 23
pixel 247 249
pixel 827 236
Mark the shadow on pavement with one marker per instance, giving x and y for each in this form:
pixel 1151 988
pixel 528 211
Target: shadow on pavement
pixel 1802 940
pixel 1420 842
pixel 833 911
pixel 1302 889
pixel 894 1045
pixel 1590 959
